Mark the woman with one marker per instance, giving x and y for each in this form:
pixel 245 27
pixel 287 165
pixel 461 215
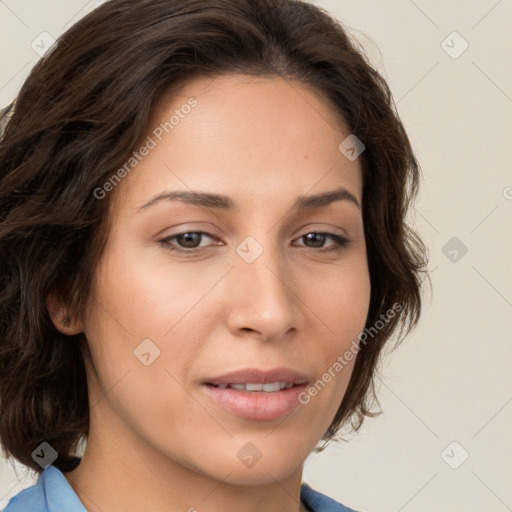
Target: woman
pixel 203 252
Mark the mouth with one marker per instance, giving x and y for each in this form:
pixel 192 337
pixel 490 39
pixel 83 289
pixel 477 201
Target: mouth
pixel 269 387
pixel 255 394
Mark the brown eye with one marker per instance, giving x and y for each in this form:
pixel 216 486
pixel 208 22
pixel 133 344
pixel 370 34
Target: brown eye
pixel 186 241
pixel 189 241
pixel 317 240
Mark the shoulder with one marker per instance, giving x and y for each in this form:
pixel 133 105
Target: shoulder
pixel 51 493
pixel 318 502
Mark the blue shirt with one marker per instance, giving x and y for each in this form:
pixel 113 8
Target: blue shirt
pixel 52 493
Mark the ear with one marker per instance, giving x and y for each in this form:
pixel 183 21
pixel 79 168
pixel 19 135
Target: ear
pixel 59 315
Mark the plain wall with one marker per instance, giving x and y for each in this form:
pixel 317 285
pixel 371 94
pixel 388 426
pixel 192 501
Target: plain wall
pixel 450 381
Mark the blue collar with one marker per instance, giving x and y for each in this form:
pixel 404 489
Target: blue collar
pixel 51 493
pixel 318 502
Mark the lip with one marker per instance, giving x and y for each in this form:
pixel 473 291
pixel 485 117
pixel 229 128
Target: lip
pixel 256 405
pixel 256 376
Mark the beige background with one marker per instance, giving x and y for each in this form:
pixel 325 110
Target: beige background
pixel 450 381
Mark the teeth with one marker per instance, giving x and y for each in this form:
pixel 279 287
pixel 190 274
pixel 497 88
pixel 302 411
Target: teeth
pixel 269 387
pixel 254 387
pixel 272 386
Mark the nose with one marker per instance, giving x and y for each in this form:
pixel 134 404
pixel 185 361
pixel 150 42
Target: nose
pixel 262 299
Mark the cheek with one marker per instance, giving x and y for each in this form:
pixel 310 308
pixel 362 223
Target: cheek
pixel 342 302
pixel 148 296
pixel 341 307
pixel 141 309
pixel 146 307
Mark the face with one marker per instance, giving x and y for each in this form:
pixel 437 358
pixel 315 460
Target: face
pixel 195 294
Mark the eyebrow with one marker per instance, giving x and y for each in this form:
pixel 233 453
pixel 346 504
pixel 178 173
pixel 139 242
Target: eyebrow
pixel 222 202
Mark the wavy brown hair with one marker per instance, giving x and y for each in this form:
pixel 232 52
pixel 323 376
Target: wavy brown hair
pixel 81 113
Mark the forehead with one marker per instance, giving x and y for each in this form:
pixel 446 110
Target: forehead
pixel 249 137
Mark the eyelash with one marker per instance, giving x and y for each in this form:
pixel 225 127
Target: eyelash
pixel 340 242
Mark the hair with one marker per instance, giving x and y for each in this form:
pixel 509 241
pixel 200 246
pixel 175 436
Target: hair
pixel 78 117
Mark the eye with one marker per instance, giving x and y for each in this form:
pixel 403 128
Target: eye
pixel 189 241
pixel 318 239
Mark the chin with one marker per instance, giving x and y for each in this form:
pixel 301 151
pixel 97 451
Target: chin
pixel 262 474
pixel 246 465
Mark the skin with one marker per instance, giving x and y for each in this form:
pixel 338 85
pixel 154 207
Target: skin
pixel 155 437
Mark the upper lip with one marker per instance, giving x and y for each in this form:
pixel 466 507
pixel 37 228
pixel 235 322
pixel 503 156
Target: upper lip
pixel 256 376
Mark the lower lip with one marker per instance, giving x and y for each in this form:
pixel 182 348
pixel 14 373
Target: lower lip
pixel 255 405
